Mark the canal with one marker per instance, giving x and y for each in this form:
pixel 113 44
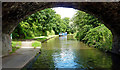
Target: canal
pixel 66 53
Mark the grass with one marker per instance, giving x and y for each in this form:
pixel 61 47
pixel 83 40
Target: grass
pixel 14 49
pixel 41 39
pixel 29 37
pixel 15 45
pixel 36 44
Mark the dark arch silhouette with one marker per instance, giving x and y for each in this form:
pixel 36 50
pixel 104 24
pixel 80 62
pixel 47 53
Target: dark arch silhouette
pixel 14 12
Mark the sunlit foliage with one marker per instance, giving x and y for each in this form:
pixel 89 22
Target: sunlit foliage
pixel 91 31
pixel 45 22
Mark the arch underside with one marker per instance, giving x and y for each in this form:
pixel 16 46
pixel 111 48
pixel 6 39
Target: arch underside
pixel 107 13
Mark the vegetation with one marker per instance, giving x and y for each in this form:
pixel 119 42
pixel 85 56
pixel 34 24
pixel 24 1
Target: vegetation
pixel 42 23
pixel 41 39
pixel 15 45
pixel 85 27
pixel 91 31
pixel 36 44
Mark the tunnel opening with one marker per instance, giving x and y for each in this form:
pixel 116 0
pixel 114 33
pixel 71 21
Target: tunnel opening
pixel 91 8
pixel 64 51
pixel 46 22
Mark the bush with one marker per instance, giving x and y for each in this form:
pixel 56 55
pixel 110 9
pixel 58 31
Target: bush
pixel 36 44
pixel 91 31
pixel 47 33
pixel 100 37
pixel 52 32
pixel 15 45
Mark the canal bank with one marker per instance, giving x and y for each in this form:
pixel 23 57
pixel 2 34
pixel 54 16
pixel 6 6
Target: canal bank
pixel 44 38
pixel 21 57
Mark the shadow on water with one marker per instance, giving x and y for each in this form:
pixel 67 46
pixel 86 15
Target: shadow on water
pixel 65 53
pixel 115 62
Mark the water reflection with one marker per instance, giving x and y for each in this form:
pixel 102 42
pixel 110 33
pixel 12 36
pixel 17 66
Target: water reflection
pixel 63 38
pixel 66 56
pixel 61 52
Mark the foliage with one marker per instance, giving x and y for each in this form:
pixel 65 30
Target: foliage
pixel 45 22
pixel 41 39
pixel 36 44
pixel 91 31
pixel 15 45
pixel 52 32
pixel 100 37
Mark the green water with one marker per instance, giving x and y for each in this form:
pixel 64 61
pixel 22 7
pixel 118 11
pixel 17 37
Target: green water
pixel 66 54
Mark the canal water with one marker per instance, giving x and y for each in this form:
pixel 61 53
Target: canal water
pixel 65 53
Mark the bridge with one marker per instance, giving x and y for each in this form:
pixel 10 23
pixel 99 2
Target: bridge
pixel 14 12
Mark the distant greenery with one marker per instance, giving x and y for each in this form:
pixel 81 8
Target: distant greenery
pixel 42 23
pixel 36 44
pixel 41 39
pixel 91 31
pixel 15 45
pixel 85 27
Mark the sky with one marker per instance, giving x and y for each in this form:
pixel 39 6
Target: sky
pixel 65 12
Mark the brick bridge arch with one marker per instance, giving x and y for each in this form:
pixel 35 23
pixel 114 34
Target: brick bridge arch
pixel 14 12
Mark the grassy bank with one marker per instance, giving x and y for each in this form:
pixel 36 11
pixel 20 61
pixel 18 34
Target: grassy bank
pixel 36 44
pixel 15 45
pixel 37 41
pixel 44 38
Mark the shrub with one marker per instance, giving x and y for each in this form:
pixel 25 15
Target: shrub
pixel 15 45
pixel 100 37
pixel 52 32
pixel 36 44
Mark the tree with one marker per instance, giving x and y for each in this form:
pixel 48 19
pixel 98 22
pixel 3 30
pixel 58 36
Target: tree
pixel 91 31
pixel 45 22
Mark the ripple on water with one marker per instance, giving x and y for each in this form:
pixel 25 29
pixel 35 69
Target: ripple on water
pixel 63 53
